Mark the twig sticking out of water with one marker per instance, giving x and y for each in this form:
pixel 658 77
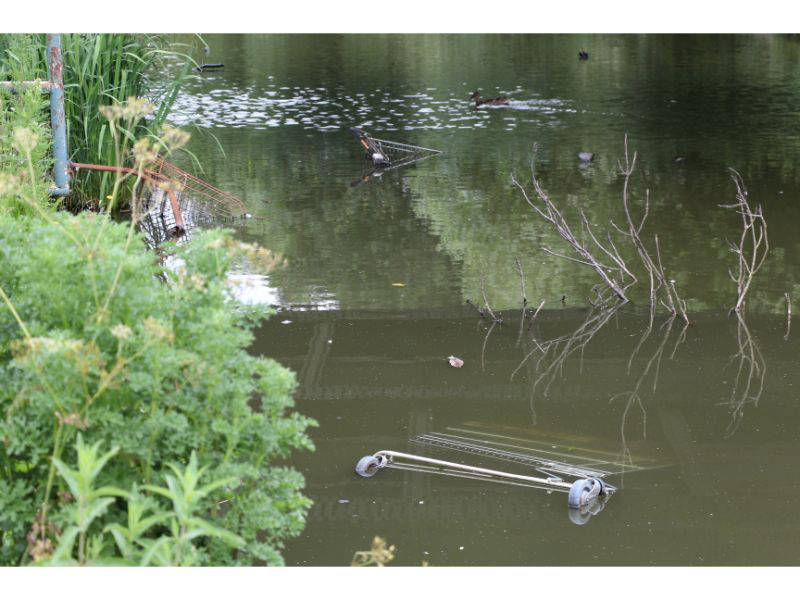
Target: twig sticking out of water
pixel 524 299
pixel 550 213
pixel 751 251
pixel 788 314
pixel 662 289
pixel 476 307
pixel 533 316
pixel 522 283
pixel 486 304
pixel 655 268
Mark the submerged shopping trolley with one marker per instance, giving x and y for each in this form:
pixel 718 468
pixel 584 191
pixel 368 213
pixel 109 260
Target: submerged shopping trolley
pixel 385 154
pixel 580 473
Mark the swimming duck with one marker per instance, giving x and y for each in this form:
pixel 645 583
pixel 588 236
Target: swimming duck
pixel 583 55
pixel 499 101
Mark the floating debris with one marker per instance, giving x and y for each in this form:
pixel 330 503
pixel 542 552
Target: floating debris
pixel 455 362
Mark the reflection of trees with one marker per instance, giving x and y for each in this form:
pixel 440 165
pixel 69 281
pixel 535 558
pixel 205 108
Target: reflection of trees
pixel 462 201
pixel 749 382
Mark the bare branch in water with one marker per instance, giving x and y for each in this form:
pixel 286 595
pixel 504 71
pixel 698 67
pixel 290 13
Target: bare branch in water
pixel 486 304
pixel 522 283
pixel 662 289
pixel 524 299
pixel 753 246
pixel 550 213
pixel 655 270
pixel 536 312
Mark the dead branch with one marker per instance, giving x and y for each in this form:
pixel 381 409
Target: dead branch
pixel 550 213
pixel 655 270
pixel 536 312
pixel 522 283
pixel 604 257
pixel 753 246
pixel 486 304
pixel 524 299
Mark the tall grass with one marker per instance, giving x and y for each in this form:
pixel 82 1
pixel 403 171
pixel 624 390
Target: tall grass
pixel 104 68
pixel 20 56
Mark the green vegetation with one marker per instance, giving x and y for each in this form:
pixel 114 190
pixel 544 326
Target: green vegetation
pixel 103 68
pixel 103 346
pixel 100 69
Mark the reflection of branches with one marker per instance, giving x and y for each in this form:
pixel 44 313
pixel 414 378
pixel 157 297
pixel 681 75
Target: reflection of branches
pixel 788 314
pixel 754 235
pixel 486 339
pixel 633 397
pixel 555 352
pixel 749 383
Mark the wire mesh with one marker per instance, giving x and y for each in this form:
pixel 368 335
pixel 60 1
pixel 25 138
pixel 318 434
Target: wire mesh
pixel 386 154
pixel 189 203
pixel 216 202
pixel 547 459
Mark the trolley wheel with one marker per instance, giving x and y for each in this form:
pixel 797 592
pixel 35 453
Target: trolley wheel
pixel 367 466
pixel 578 516
pixel 583 491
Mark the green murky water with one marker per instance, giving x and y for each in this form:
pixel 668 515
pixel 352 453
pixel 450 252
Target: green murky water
pixel 709 413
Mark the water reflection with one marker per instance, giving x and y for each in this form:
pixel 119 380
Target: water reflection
pixel 748 384
pixel 377 380
pixel 282 106
pixel 697 404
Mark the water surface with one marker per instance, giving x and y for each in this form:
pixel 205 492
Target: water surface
pixel 380 265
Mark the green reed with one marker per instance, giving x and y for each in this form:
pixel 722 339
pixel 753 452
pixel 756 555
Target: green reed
pixel 99 70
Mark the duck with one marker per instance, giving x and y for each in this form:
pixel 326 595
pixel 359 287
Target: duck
pixel 499 101
pixel 583 55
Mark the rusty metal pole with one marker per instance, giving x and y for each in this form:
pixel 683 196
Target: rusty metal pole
pixel 180 227
pixel 57 116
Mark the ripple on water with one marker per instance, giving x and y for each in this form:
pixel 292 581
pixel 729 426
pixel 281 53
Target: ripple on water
pixel 324 110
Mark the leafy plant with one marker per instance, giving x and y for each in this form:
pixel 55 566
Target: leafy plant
pixel 99 338
pixel 88 503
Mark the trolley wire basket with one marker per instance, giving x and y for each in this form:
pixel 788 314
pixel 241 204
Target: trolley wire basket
pixel 386 154
pixel 187 202
pixel 172 201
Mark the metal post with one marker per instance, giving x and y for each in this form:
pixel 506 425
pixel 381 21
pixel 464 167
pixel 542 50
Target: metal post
pixel 57 116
